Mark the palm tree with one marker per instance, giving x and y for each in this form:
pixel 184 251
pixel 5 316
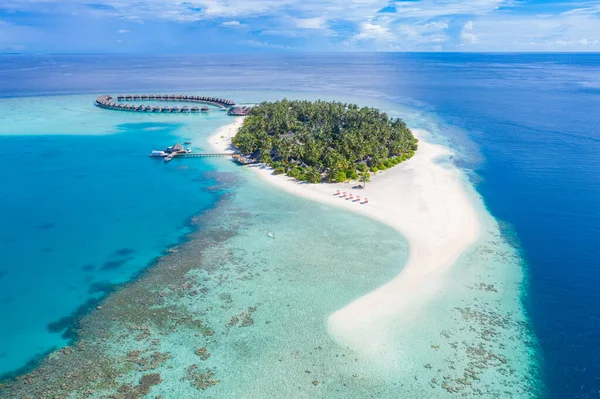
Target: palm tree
pixel 364 178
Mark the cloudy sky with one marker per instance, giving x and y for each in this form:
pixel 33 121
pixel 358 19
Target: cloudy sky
pixel 151 26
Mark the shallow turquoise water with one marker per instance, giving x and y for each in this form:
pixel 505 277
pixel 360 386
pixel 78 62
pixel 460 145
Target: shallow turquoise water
pixel 83 207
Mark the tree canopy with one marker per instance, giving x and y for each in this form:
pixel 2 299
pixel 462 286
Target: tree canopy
pixel 309 139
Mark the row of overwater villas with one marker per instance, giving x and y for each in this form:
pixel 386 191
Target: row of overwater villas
pixel 106 102
pixel 174 97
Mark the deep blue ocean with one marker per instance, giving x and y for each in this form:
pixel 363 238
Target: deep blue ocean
pixel 531 123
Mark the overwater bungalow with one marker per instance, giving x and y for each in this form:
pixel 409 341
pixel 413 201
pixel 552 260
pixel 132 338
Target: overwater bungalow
pixel 149 108
pixel 171 97
pixel 175 109
pixel 120 97
pixel 151 97
pixel 185 108
pixel 121 106
pixel 205 109
pixel 195 108
pixel 128 97
pixel 144 96
pixel 136 96
pixel 139 108
pixel 166 109
pixel 156 109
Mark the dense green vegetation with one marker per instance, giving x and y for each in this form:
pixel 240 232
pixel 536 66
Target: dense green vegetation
pixel 308 140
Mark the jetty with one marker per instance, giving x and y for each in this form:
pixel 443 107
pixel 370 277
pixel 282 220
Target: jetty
pixel 107 101
pixel 179 151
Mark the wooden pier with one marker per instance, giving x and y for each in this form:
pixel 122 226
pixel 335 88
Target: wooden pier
pixel 198 155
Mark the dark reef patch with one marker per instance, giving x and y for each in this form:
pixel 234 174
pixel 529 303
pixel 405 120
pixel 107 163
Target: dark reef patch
pixel 69 325
pixel 46 226
pixel 88 268
pixel 124 252
pixel 103 287
pixel 114 264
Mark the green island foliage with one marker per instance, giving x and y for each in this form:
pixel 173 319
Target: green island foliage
pixel 311 140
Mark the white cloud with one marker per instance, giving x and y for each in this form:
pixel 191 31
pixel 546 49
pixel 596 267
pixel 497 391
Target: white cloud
pixel 536 33
pixel 123 31
pixel 373 31
pixel 258 43
pixel 310 23
pixel 232 24
pixel 466 34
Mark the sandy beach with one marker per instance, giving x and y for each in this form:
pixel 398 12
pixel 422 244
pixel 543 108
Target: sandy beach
pixel 427 202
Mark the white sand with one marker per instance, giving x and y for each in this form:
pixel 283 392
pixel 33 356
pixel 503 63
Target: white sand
pixel 220 141
pixel 427 202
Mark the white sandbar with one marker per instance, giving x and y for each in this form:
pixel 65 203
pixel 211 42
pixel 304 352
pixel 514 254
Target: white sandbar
pixel 425 201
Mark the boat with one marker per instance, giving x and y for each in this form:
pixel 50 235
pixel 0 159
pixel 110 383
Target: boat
pixel 155 153
pixel 187 142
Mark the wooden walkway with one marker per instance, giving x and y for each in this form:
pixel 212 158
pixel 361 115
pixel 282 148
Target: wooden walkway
pixel 196 155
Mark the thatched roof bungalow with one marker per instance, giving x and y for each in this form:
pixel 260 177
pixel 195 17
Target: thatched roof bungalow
pixel 195 108
pixel 175 109
pixel 185 108
pixel 205 109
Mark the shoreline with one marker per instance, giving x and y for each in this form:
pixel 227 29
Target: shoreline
pixel 420 198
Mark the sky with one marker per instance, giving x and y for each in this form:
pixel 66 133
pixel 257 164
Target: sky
pixel 196 26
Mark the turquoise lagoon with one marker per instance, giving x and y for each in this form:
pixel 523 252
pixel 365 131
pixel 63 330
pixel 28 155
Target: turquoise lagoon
pixel 96 211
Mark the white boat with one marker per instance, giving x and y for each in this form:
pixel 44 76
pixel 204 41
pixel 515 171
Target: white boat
pixel 155 153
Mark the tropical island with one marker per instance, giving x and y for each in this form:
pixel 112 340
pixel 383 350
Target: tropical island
pixel 311 141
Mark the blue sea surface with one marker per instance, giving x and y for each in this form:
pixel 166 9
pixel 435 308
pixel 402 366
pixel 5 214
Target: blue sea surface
pixel 527 124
